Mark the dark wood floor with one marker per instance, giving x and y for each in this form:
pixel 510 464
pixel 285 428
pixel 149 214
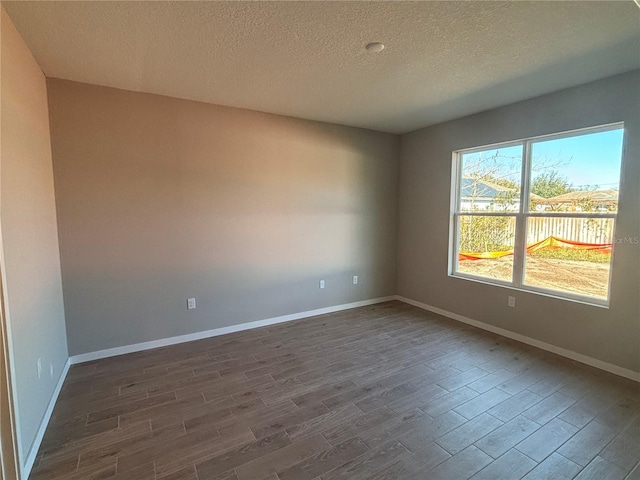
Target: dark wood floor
pixel 381 392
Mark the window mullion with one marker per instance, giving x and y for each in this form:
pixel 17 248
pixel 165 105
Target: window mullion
pixel 520 246
pixel 456 236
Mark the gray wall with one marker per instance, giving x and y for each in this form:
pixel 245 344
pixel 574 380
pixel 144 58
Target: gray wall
pixel 31 263
pixel 161 199
pixel 611 335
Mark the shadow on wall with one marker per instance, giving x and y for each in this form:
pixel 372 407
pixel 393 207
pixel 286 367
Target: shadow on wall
pixel 506 91
pixel 152 305
pixel 161 199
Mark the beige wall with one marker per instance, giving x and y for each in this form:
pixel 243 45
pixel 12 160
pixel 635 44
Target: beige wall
pixel 30 255
pixel 161 199
pixel 611 335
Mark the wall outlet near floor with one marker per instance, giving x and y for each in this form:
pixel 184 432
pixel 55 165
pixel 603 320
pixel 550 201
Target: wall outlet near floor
pixel 511 301
pixel 355 279
pixel 51 370
pixel 191 303
pixel 40 368
pixel 321 283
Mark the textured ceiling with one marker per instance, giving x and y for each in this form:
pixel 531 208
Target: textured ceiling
pixel 307 59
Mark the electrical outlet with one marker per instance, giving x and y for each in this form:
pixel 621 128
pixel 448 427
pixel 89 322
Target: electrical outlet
pixel 40 368
pixel 355 279
pixel 191 303
pixel 321 283
pixel 511 301
pixel 51 370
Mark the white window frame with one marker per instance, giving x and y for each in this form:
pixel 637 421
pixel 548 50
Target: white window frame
pixel 521 216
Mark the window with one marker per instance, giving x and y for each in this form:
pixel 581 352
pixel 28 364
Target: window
pixel 539 214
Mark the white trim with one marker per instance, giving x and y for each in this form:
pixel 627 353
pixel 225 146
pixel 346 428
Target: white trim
pixel 513 213
pixel 138 347
pixel 35 446
pixel 578 357
pixel 546 137
pixel 11 361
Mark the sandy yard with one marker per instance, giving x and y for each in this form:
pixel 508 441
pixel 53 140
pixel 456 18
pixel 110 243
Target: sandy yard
pixel 584 278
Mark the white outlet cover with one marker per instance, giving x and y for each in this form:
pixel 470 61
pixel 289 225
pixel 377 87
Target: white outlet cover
pixel 355 279
pixel 511 301
pixel 51 370
pixel 191 303
pixel 40 368
pixel 321 283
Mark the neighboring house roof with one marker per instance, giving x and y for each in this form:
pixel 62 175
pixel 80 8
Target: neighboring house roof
pixel 481 189
pixel 486 190
pixel 597 196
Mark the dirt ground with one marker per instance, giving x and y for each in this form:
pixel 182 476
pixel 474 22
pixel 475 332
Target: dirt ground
pixel 583 278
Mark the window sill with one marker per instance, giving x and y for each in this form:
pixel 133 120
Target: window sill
pixel 589 301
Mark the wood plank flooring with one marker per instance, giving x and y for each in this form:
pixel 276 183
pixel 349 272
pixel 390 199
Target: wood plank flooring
pixel 380 392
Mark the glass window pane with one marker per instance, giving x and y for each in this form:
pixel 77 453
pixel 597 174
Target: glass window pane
pixel 485 246
pixel 491 180
pixel 577 174
pixel 570 255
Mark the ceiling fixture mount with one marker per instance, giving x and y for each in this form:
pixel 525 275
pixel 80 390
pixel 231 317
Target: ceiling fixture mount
pixel 374 47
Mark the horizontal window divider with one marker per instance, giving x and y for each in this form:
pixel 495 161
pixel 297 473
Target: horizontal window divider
pixel 537 214
pixel 488 214
pixel 570 215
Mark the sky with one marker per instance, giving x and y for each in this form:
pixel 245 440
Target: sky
pixel 589 161
pixel 586 161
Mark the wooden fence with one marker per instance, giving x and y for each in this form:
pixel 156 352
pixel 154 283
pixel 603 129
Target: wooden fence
pixel 585 230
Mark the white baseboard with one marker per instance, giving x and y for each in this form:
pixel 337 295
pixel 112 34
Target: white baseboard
pixel 35 446
pixel 578 357
pixel 138 347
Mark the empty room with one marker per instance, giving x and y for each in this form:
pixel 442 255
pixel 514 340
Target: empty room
pixel 319 240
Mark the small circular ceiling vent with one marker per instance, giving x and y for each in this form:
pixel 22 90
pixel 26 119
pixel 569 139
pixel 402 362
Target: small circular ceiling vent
pixel 374 47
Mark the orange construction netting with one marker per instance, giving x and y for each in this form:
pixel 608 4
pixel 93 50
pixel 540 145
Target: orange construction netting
pixel 549 242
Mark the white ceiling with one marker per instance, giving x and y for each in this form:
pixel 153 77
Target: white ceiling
pixel 307 59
